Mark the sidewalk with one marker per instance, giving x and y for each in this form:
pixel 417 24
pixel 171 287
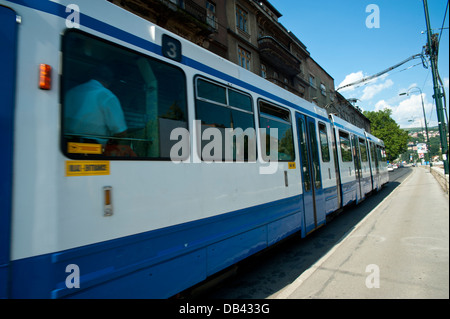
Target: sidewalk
pixel 400 250
pixel 439 174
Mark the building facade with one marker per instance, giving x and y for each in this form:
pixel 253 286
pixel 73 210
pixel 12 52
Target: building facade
pixel 248 33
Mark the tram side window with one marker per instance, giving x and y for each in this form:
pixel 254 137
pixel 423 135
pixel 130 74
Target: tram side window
pixel 346 147
pixel 382 154
pixel 273 117
pixel 227 123
pixel 324 142
pixel 378 155
pixel 372 152
pixel 315 155
pixel 116 103
pixel 363 150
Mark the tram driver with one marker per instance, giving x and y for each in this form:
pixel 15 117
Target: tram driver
pixel 92 111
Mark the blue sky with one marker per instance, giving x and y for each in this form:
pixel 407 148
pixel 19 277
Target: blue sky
pixel 337 37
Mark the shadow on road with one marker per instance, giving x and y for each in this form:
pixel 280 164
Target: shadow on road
pixel 270 271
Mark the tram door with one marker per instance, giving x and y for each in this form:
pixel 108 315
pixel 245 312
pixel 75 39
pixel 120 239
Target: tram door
pixel 313 199
pixel 357 161
pixel 376 174
pixel 8 37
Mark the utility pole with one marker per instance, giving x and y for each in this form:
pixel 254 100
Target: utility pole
pixel 432 47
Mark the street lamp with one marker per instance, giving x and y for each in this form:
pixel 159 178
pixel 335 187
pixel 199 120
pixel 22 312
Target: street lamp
pixel 424 118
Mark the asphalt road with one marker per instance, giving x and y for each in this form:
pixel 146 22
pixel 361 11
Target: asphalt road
pixel 395 244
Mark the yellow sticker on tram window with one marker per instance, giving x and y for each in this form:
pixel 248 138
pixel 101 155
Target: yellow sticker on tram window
pixel 87 168
pixel 84 148
pixel 291 165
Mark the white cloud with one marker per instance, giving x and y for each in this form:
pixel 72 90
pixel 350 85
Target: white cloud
pixel 350 78
pixel 381 105
pixel 409 112
pixel 371 90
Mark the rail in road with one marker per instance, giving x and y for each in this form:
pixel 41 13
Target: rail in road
pixel 378 242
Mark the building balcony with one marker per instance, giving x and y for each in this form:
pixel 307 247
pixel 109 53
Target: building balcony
pixel 188 9
pixel 185 12
pixel 275 54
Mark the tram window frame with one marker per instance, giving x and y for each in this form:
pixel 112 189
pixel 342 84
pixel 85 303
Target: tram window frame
pixel 372 152
pixel 383 153
pixel 324 145
pixel 314 154
pixel 345 153
pixel 234 110
pixel 303 152
pixel 157 120
pixel 363 150
pixel 279 116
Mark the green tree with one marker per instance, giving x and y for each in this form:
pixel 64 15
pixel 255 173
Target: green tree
pixel 384 127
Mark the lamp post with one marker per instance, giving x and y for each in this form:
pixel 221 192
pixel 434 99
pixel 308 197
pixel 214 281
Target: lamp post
pixel 424 118
pixel 432 51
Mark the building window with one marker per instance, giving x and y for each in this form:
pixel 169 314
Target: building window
pixel 312 81
pixel 244 58
pixel 260 32
pixel 211 15
pixel 179 3
pixel 241 19
pixel 263 71
pixel 323 89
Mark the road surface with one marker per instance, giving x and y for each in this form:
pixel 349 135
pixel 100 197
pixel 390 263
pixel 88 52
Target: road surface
pixel 395 244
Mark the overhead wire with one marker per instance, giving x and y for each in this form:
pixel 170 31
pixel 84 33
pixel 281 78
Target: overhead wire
pixel 443 22
pixel 368 78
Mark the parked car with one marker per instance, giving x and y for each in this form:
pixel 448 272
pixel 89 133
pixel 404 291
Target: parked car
pixel 390 167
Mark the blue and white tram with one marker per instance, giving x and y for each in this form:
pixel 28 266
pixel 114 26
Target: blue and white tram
pixel 144 199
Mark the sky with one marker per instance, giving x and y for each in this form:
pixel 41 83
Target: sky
pixel 343 44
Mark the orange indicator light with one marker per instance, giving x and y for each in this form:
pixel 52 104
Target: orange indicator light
pixel 45 76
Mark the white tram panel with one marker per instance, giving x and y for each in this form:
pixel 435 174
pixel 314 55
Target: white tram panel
pixel 37 158
pixel 154 193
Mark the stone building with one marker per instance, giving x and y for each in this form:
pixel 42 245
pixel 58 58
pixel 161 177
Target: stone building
pixel 248 33
pixel 321 84
pixel 259 43
pixel 349 112
pixel 202 22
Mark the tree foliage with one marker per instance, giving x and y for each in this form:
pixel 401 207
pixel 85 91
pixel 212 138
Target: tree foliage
pixel 384 127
